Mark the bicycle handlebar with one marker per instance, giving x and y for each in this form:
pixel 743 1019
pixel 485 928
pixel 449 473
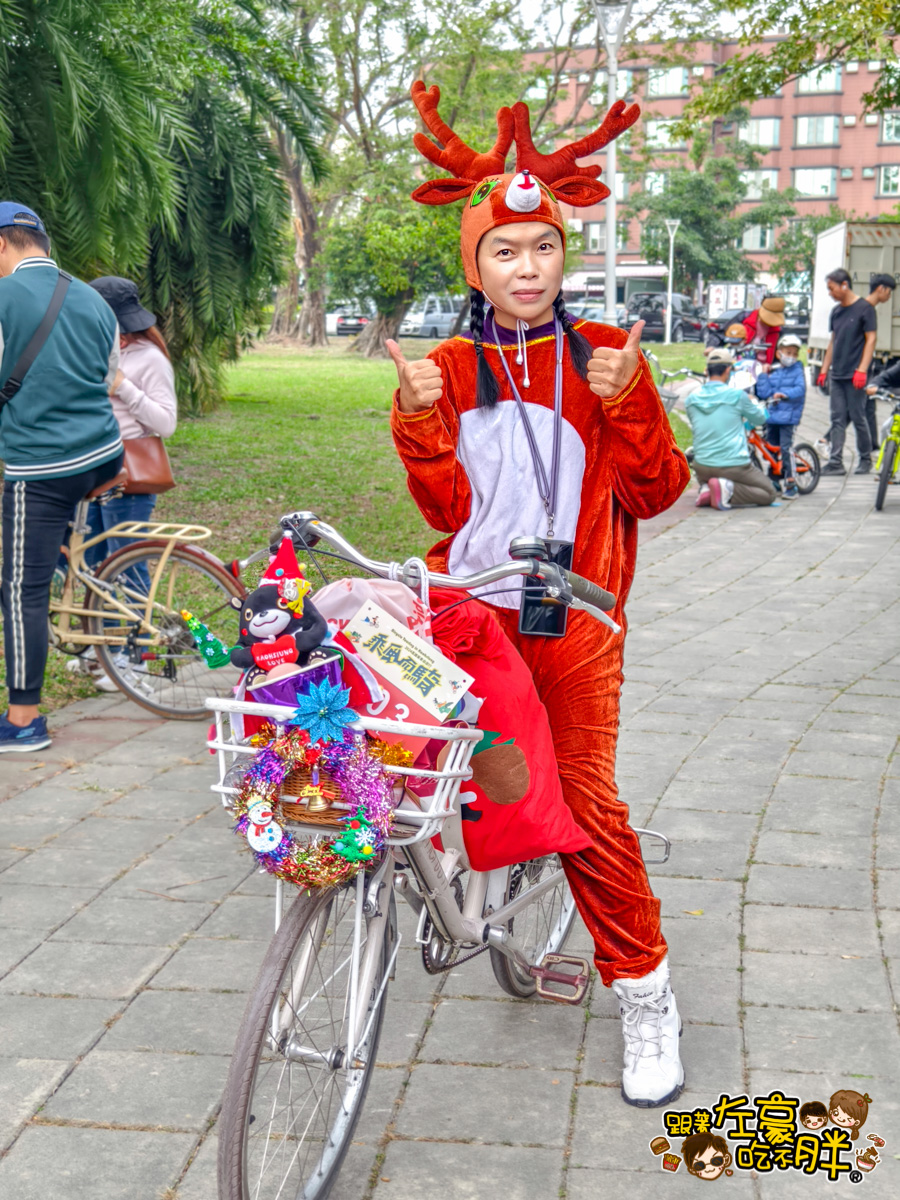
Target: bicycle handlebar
pixel 563 586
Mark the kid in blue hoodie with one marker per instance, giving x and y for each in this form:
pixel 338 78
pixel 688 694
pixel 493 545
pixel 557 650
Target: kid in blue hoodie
pixel 784 391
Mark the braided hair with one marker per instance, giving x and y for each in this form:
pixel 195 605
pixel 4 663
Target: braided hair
pixel 487 389
pixel 579 347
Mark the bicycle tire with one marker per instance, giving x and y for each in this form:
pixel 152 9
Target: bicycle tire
pixel 544 932
pixel 321 918
pixel 807 478
pixel 176 681
pixel 886 473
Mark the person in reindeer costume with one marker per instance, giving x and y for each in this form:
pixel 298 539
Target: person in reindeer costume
pixel 534 424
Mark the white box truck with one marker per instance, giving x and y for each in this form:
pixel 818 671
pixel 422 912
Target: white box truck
pixel 864 248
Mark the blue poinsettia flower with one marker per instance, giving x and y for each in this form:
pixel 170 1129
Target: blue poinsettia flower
pixel 323 712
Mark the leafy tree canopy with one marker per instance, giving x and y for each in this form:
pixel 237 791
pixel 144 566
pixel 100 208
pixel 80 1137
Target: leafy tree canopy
pixel 810 34
pixel 704 196
pixel 139 129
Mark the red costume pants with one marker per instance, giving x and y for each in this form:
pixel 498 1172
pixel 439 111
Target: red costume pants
pixel 578 678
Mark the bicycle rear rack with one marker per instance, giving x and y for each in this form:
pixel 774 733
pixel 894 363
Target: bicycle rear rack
pixel 578 981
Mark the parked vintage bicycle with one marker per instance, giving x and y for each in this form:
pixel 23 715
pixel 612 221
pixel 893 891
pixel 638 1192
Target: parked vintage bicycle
pixel 308 1039
pixel 129 609
pixel 889 452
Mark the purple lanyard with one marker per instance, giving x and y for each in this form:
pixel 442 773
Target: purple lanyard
pixel 547 489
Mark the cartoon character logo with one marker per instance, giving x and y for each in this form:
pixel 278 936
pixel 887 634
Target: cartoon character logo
pixel 813 1115
pixel 705 1155
pixel 849 1110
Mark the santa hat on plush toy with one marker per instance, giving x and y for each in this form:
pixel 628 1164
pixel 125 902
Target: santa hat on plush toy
pixel 497 198
pixel 287 575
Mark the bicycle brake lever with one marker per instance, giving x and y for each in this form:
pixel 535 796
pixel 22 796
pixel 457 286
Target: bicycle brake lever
pixel 597 613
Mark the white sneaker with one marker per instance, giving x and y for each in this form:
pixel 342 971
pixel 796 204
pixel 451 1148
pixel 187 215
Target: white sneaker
pixel 653 1073
pixel 720 492
pixel 132 673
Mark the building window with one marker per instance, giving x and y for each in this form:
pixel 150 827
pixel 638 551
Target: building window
pixel 850 119
pixel 889 181
pixel 815 181
pixel 875 64
pixel 871 118
pixel 757 237
pixel 761 131
pixel 826 78
pixel 851 67
pixel 599 96
pixel 890 127
pixel 658 134
pixel 667 81
pixel 655 182
pixel 538 89
pixel 758 182
pixel 868 172
pixel 594 233
pixel 816 131
pixel 698 70
pixel 846 172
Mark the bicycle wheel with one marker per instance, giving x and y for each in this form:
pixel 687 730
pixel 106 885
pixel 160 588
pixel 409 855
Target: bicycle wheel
pixel 807 467
pixel 164 671
pixel 886 473
pixel 78 624
pixel 292 1099
pixel 540 928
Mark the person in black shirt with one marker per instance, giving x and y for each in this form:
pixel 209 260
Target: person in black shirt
pixel 881 291
pixel 849 354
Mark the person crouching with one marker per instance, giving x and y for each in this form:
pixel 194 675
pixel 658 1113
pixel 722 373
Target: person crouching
pixel 721 455
pixel 784 390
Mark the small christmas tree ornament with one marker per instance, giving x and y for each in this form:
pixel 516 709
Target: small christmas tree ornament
pixel 215 652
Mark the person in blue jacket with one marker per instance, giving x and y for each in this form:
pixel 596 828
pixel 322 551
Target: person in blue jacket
pixel 717 412
pixel 784 391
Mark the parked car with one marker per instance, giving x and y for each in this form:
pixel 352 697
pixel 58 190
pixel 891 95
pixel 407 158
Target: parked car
pixel 650 307
pixel 796 322
pixel 345 320
pixel 714 329
pixel 594 312
pixel 431 316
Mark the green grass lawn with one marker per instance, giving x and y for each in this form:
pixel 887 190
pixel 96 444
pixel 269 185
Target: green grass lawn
pixel 300 430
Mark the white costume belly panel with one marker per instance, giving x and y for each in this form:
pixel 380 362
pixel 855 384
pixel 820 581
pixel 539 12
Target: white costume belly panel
pixel 493 448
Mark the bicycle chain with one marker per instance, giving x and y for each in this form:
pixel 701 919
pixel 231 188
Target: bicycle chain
pixel 432 967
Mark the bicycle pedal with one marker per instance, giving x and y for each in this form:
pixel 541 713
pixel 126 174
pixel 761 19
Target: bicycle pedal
pixel 578 981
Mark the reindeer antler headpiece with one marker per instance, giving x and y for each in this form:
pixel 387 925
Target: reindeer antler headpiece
pixel 494 198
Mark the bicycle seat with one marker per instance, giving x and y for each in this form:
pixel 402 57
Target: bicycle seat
pixel 118 481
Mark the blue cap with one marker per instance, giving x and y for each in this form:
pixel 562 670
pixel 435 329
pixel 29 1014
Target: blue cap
pixel 12 213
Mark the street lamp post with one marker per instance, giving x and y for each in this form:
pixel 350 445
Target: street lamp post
pixel 612 17
pixel 672 227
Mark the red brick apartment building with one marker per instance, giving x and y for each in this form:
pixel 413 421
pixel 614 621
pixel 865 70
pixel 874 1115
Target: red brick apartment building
pixel 813 136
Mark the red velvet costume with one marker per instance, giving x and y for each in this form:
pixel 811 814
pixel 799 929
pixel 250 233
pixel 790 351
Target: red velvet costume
pixel 472 476
pixel 632 469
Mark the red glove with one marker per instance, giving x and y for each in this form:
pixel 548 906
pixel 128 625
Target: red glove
pixel 859 379
pixel 820 382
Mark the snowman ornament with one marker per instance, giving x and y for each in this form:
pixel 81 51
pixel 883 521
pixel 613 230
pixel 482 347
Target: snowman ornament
pixel 263 833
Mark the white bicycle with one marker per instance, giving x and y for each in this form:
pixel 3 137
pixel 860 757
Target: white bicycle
pixel 308 1040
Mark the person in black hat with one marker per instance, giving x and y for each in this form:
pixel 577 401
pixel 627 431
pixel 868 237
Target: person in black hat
pixel 58 441
pixel 144 403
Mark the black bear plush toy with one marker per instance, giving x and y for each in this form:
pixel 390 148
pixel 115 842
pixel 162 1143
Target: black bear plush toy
pixel 279 624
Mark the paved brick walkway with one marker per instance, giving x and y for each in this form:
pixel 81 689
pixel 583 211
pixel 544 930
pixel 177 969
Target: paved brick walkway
pixel 760 723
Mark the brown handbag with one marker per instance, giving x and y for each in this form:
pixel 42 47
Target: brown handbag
pixel 147 466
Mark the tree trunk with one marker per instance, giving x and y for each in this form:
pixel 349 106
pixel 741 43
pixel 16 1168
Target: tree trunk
pixel 370 343
pixel 310 325
pixel 284 317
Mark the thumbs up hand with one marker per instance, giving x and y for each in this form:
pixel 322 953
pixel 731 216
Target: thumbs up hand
pixel 421 382
pixel 609 370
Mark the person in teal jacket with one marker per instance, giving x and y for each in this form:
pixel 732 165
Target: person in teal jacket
pixel 784 390
pixel 722 463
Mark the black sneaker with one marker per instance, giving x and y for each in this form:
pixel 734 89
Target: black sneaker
pixel 23 738
pixel 831 468
pixel 864 468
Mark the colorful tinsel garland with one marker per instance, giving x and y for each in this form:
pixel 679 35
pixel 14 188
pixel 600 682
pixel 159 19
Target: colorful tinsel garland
pixel 357 766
